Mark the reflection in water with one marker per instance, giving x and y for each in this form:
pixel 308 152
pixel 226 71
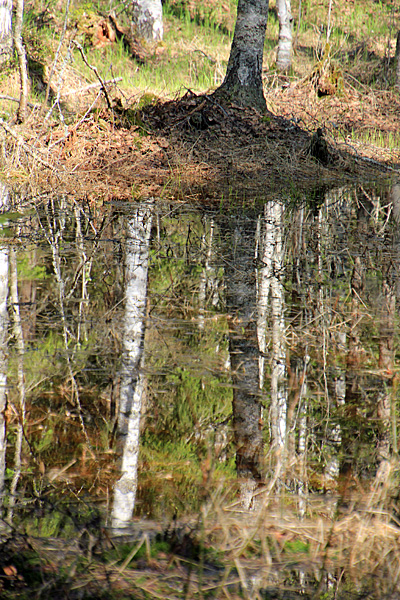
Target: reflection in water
pixel 240 285
pixel 132 375
pixel 19 407
pixel 4 253
pixel 252 345
pixel 274 218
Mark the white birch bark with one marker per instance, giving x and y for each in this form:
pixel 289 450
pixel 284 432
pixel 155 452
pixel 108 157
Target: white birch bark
pixel 278 375
pixel 5 30
pixel 132 377
pixel 284 55
pixel 302 448
pixel 147 19
pixel 4 260
pixel 270 284
pixel 85 271
pixel 264 283
pixel 206 278
pixel 20 409
pixel 334 432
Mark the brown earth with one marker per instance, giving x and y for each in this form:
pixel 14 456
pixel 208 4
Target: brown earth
pixel 196 149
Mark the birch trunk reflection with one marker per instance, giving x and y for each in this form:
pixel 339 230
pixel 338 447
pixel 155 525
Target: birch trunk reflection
pixel 208 280
pixel 132 377
pixel 4 259
pixel 270 284
pixel 20 409
pixel 278 375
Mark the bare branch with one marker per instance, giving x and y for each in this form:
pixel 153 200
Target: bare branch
pixel 92 86
pixel 96 72
pixel 53 66
pixel 5 97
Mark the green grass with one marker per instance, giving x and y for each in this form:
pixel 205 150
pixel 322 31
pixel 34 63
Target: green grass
pixel 191 56
pixel 386 140
pixel 380 138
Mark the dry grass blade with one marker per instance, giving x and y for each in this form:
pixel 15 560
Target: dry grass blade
pixel 34 153
pixel 132 554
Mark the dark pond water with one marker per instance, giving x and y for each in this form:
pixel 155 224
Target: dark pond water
pixel 151 351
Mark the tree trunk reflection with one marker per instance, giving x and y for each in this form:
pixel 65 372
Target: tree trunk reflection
pixel 132 375
pixel 4 263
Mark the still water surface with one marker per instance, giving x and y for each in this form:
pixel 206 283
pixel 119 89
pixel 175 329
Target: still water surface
pixel 150 351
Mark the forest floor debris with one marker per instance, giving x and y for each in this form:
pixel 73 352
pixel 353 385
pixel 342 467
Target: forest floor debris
pixel 194 149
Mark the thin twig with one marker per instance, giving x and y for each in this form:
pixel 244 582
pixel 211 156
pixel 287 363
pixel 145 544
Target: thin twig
pixel 53 66
pixel 5 97
pixel 95 71
pixel 92 86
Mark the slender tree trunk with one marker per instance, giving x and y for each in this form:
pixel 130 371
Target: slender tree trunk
pixel 243 80
pixel 132 377
pixel 208 281
pixel 85 273
pixel 334 431
pixel 302 483
pixel 397 61
pixel 5 30
pixel 23 73
pixel 284 56
pixel 266 253
pixel 20 409
pixel 147 19
pixel 4 260
pixel 278 375
pixel 240 281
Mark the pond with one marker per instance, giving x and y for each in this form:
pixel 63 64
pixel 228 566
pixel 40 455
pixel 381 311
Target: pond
pixel 234 363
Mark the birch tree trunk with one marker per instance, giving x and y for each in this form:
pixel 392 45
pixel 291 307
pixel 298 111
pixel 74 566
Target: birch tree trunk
pixel 270 282
pixel 21 390
pixel 23 73
pixel 132 377
pixel 284 55
pixel 5 30
pixel 4 260
pixel 263 287
pixel 278 375
pixel 147 19
pixel 243 80
pixel 208 281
